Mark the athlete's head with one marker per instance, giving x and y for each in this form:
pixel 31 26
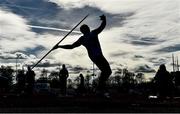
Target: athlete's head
pixel 84 29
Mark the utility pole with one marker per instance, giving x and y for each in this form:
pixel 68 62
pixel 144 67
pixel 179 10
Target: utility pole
pixel 173 62
pixel 177 64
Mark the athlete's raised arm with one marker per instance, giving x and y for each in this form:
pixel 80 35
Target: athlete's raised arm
pixel 102 26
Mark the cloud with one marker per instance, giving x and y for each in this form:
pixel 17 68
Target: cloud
pixel 139 40
pixel 113 6
pixel 138 32
pixel 173 48
pixel 14 32
pixel 16 55
pixel 159 60
pixel 57 18
pixel 144 68
pixel 47 63
pixel 71 4
pixel 18 6
pixel 116 54
pixel 138 56
pixel 77 69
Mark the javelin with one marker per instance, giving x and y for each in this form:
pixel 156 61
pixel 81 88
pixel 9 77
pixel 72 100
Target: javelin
pixel 60 41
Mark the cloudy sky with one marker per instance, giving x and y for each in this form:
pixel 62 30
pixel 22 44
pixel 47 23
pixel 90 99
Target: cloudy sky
pixel 140 34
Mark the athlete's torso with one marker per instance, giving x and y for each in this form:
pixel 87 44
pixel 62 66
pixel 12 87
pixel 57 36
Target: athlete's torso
pixel 91 42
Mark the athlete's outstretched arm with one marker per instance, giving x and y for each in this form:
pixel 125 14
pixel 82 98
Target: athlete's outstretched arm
pixel 102 26
pixel 71 46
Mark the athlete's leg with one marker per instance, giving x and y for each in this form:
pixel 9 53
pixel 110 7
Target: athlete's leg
pixel 103 65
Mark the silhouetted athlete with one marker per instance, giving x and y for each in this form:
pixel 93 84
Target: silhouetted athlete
pixel 91 42
pixel 163 82
pixel 63 75
pixel 30 80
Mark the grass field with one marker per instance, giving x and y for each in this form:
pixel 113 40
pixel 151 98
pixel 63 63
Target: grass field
pixel 121 103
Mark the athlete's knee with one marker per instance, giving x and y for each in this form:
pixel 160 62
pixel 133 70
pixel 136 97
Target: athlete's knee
pixel 105 74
